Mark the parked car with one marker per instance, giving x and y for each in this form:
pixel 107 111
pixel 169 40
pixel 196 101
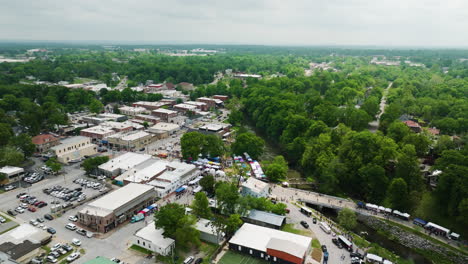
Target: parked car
pixel 51 230
pixel 32 209
pixel 2 219
pixel 73 218
pixel 33 222
pixel 76 242
pixel 81 231
pixel 48 217
pixel 11 212
pixel 20 194
pixel 71 226
pixel 51 259
pixel 337 243
pixel 55 247
pixel 19 210
pixel 314 220
pixel 304 224
pixel 9 187
pixel 198 261
pixel 73 256
pixel 189 260
pixel 67 247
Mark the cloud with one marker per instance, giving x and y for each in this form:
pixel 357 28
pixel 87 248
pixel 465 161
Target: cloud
pixel 275 22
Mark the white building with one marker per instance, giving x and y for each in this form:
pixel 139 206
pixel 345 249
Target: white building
pixel 74 149
pixel 132 111
pixel 152 239
pixel 208 232
pixel 163 127
pixel 122 163
pixel 256 188
pixel 13 173
pixel 172 177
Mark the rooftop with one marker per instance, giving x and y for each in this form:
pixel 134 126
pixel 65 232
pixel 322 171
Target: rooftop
pixel 11 170
pixel 102 130
pixel 131 108
pixel 204 225
pixel 186 106
pixel 165 111
pixel 125 161
pixel 130 136
pixel 112 201
pixel 71 141
pixel 261 238
pixel 155 236
pixel 44 138
pixel 266 217
pixel 214 127
pixel 165 126
pixel 255 185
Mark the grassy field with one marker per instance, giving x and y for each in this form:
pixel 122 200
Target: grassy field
pixel 237 258
pixel 140 249
pixel 290 229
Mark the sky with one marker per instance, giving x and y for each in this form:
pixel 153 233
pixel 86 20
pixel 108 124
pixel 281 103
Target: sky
pixel 420 23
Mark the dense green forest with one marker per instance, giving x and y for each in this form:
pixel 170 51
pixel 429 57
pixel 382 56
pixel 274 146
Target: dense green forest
pixel 319 123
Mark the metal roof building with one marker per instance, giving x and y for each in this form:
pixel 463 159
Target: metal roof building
pixel 271 244
pixel 265 219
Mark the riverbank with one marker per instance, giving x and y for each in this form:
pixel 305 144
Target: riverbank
pixel 435 252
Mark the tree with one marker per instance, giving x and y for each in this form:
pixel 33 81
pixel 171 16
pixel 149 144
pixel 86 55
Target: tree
pixel 398 130
pixel 54 165
pixel 371 106
pixel 213 146
pixel 398 194
pixel 191 144
pixel 23 142
pixel 145 125
pixel 249 143
pixel 168 218
pixel 201 206
pixel 233 223
pixel 347 218
pixel 235 118
pixel 96 106
pixel 407 168
pixel 277 170
pixel 92 164
pixel 186 234
pixel 279 208
pixel 6 133
pixel 10 156
pixel 420 142
pixel 208 184
pixel 377 182
pixel 227 195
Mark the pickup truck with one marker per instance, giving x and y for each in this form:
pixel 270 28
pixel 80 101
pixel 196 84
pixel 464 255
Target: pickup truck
pixel 137 218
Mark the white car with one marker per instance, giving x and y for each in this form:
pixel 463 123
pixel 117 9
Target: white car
pixel 51 259
pixel 71 226
pixel 73 256
pixel 55 247
pixel 2 220
pixel 73 218
pixel 9 187
pixel 19 210
pixel 76 242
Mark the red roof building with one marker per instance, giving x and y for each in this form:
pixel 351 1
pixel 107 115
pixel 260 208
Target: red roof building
pixel 413 125
pixel 433 131
pixel 44 142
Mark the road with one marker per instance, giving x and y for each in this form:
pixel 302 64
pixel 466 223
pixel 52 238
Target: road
pixel 374 125
pixel 122 84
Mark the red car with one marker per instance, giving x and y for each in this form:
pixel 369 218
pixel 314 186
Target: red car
pixel 32 209
pixel 37 203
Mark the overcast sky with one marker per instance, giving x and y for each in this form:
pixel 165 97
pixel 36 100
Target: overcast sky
pixel 273 22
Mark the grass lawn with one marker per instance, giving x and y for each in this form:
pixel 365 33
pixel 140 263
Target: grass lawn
pixel 237 258
pixel 316 243
pixel 141 250
pixel 290 228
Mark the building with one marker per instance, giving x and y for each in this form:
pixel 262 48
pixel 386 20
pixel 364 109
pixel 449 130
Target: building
pixel 165 115
pixel 122 163
pixel 244 76
pixel 151 105
pixel 265 219
pixel 13 173
pixel 148 118
pixel 208 232
pixel 271 245
pixel 74 149
pixel 208 101
pixel 113 117
pixel 223 98
pixel 256 188
pixel 131 140
pixel 100 260
pixel 184 108
pixel 101 118
pixel 163 127
pixel 413 126
pixel 97 132
pixel 165 176
pixel 116 207
pixel 44 142
pixel 215 128
pixel 200 105
pixel 132 111
pixel 23 242
pixel 153 239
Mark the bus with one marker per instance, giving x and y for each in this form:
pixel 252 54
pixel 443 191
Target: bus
pixel 345 242
pixel 306 211
pixel 325 227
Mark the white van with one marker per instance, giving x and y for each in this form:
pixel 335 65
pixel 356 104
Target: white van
pixel 71 226
pixel 189 260
pixel 325 227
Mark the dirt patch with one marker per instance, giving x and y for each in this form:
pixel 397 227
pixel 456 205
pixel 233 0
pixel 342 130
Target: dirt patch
pixel 317 254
